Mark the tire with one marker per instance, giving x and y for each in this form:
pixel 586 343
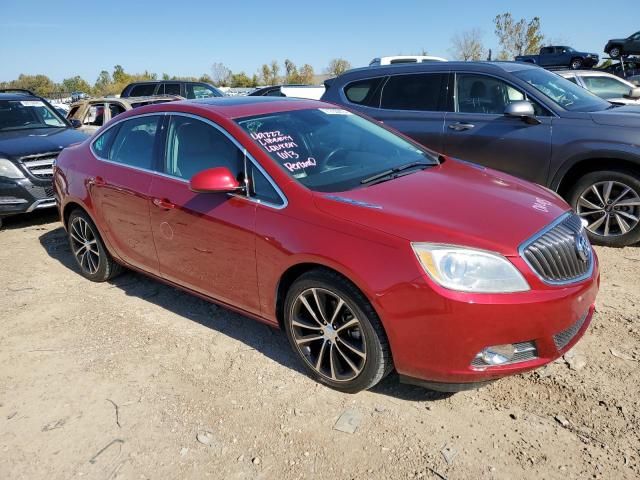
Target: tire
pixel 615 52
pixel 334 356
pixel 576 63
pixel 88 250
pixel 613 215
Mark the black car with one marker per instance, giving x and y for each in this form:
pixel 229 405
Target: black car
pixel 171 87
pixel 619 47
pixel 518 118
pixel 561 56
pixel 32 134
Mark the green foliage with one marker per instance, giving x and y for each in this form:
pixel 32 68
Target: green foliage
pixel 468 45
pixel 338 66
pixel 38 84
pixel 518 38
pixel 76 84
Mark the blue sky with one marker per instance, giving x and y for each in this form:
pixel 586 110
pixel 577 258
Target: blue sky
pixel 67 38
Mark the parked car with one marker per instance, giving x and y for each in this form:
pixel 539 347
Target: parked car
pixel 353 239
pixel 312 92
pixel 560 56
pixel 171 87
pixel 394 59
pixel 32 133
pixel 611 88
pixel 518 118
pixel 622 68
pixel 635 79
pixel 91 114
pixel 619 47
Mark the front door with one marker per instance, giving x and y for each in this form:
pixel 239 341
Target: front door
pixel 205 241
pixel 478 130
pixel 121 190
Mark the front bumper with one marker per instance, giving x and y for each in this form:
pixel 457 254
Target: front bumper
pixel 23 196
pixel 435 333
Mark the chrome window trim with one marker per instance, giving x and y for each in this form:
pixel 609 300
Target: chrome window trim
pixel 540 233
pixel 285 201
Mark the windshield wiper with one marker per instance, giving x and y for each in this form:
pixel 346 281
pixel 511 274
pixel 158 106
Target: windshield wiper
pixel 390 173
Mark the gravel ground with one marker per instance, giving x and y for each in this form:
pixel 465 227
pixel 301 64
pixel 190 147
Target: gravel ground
pixel 134 379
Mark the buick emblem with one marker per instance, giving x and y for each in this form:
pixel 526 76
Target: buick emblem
pixel 582 248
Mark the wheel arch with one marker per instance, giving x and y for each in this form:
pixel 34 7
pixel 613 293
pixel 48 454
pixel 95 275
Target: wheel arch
pixel 564 180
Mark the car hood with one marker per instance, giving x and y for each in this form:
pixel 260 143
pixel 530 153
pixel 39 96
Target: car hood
pixel 617 40
pixel 19 143
pixel 623 116
pixel 455 203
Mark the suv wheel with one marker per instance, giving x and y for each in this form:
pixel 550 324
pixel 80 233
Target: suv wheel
pixel 576 63
pixel 615 52
pixel 336 332
pixel 610 202
pixel 89 251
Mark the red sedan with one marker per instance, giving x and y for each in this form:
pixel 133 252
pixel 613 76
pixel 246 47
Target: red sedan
pixel 371 252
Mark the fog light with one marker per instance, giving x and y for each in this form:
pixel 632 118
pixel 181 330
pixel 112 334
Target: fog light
pixel 12 201
pixel 498 354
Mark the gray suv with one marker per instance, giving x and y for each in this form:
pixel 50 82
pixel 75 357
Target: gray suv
pixel 520 119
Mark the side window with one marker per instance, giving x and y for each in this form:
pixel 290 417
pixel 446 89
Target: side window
pixel 133 144
pixel 422 91
pixel 546 51
pixel 572 79
pixel 115 109
pixel 171 89
pixel 102 144
pixel 482 94
pixel 262 189
pixel 365 92
pixel 143 90
pixel 194 146
pixel 199 91
pixel 95 115
pixel 276 92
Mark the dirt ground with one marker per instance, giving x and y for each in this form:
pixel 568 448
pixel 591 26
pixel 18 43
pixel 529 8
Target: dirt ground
pixel 136 380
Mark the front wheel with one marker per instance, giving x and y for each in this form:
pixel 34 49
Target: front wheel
pixel 609 201
pixel 336 332
pixel 615 52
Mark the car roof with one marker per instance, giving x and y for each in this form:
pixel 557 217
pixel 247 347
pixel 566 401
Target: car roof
pixel 440 66
pixel 142 82
pixel 18 96
pixel 128 100
pixel 233 107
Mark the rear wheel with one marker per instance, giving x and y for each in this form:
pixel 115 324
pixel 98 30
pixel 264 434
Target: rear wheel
pixel 336 332
pixel 88 249
pixel 615 52
pixel 576 63
pixel 609 201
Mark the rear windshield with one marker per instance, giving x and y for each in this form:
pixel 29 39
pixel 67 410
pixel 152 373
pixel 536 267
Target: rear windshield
pixel 28 114
pixel 330 149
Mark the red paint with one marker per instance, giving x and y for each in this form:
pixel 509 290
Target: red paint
pixel 214 180
pixel 235 251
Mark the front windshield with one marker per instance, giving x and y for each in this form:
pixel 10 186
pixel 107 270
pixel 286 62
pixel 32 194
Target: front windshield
pixel 27 114
pixel 330 149
pixel 563 92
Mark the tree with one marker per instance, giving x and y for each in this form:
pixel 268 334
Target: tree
pixel 240 80
pixel 518 38
pixel 265 74
pixel 119 76
pixel 275 70
pixel 76 84
pixel 254 80
pixel 165 76
pixel 220 74
pixel 102 83
pixel 38 84
pixel 306 74
pixel 338 66
pixel 291 72
pixel 468 45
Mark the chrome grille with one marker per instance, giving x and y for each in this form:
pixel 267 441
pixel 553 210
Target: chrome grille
pixel 554 254
pixel 563 338
pixel 40 166
pixel 524 351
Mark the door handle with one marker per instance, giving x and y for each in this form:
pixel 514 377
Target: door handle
pixel 99 181
pixel 459 126
pixel 164 204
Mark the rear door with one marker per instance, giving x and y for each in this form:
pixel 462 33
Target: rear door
pixel 415 105
pixel 205 241
pixel 129 152
pixel 477 130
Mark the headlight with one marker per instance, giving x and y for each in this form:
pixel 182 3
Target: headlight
pixel 469 270
pixel 9 170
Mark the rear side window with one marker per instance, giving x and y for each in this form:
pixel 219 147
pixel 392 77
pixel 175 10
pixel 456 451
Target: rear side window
pixel 142 90
pixel 200 91
pixel 133 144
pixel 365 92
pixel 115 109
pixel 169 89
pixel 423 91
pixel 95 115
pixel 102 144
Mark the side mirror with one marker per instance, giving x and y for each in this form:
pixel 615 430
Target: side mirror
pixel 215 180
pixel 522 110
pixel 634 93
pixel 75 123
